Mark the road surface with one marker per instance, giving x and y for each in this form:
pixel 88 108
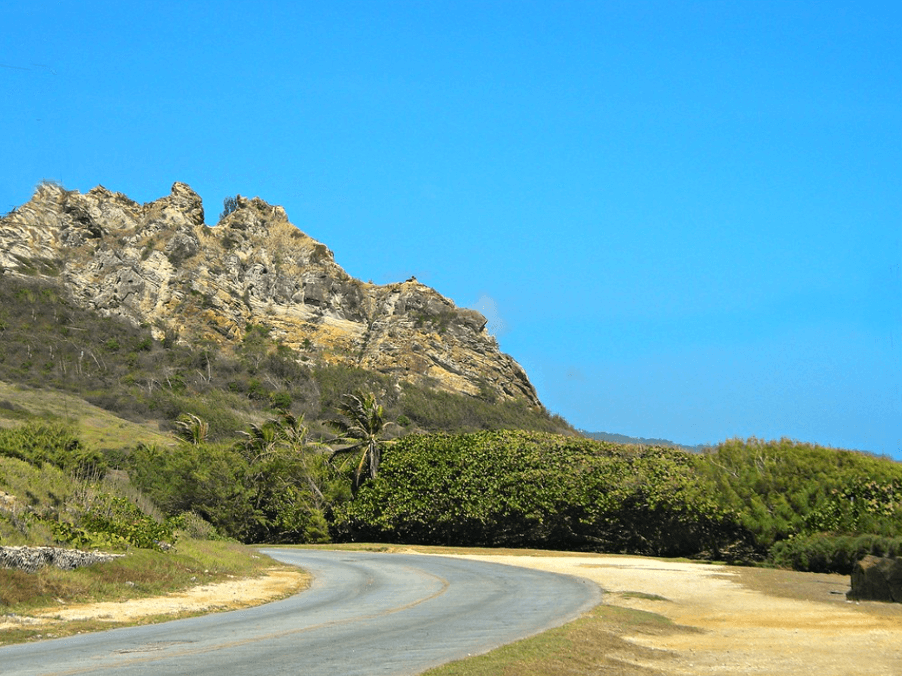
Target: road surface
pixel 365 613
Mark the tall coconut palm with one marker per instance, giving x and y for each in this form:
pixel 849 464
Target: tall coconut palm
pixel 362 423
pixel 290 480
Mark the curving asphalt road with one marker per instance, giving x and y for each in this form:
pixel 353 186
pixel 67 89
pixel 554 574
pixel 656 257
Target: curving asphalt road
pixel 364 614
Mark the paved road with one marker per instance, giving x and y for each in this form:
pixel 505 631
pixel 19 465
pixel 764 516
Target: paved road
pixel 364 614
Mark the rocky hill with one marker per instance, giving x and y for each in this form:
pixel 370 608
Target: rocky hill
pixel 158 265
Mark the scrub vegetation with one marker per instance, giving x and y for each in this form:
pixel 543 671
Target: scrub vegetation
pixel 783 503
pixel 47 341
pixel 111 439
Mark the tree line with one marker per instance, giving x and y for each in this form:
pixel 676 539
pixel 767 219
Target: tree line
pixel 743 501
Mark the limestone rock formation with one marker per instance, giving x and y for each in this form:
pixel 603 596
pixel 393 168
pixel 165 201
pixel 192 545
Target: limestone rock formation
pixel 877 578
pixel 158 264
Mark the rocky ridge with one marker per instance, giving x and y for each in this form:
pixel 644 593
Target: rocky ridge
pixel 158 264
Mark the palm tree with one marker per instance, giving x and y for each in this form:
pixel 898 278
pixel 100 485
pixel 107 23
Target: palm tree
pixel 192 429
pixel 363 423
pixel 260 441
pixel 289 477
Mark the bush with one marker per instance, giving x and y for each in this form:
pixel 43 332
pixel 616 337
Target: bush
pixel 56 444
pixel 823 553
pixel 538 490
pixel 786 489
pixel 268 489
pixel 208 479
pixel 194 526
pixel 229 204
pixel 113 521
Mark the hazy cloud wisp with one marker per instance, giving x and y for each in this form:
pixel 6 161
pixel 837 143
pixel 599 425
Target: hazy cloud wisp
pixel 489 308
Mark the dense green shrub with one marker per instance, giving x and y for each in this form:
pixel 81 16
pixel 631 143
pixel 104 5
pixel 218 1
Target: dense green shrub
pixel 783 489
pixel 209 479
pixel 53 443
pixel 538 490
pixel 113 521
pixel 734 502
pixel 274 486
pixel 55 506
pixel 822 553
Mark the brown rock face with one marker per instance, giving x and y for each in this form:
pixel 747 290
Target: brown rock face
pixel 159 264
pixel 876 578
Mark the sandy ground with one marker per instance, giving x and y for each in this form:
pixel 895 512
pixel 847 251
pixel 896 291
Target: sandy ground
pixel 734 629
pixel 739 630
pixel 230 595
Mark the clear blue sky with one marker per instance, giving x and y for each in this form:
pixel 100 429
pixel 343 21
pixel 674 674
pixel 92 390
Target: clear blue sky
pixel 684 219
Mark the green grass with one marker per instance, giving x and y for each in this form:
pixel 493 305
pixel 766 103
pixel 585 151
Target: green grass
pixel 96 427
pixel 642 595
pixel 593 644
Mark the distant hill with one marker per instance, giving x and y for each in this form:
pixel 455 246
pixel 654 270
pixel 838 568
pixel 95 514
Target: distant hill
pixel 638 441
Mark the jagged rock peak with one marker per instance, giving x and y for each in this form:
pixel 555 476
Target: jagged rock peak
pixel 184 199
pixel 158 264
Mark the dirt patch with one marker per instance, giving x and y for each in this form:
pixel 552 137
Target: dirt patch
pixel 802 624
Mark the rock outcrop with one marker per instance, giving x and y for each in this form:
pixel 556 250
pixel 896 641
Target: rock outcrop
pixel 877 578
pixel 159 265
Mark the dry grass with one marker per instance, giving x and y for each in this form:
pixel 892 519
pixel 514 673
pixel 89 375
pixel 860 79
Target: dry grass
pixel 141 574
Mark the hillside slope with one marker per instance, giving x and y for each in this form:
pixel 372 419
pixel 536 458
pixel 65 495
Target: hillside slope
pixel 158 265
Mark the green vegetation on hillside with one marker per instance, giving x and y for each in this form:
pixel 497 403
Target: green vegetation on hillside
pixel 47 341
pixel 58 492
pixel 255 461
pixel 793 504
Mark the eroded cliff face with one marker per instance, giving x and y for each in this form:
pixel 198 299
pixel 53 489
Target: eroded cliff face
pixel 158 264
